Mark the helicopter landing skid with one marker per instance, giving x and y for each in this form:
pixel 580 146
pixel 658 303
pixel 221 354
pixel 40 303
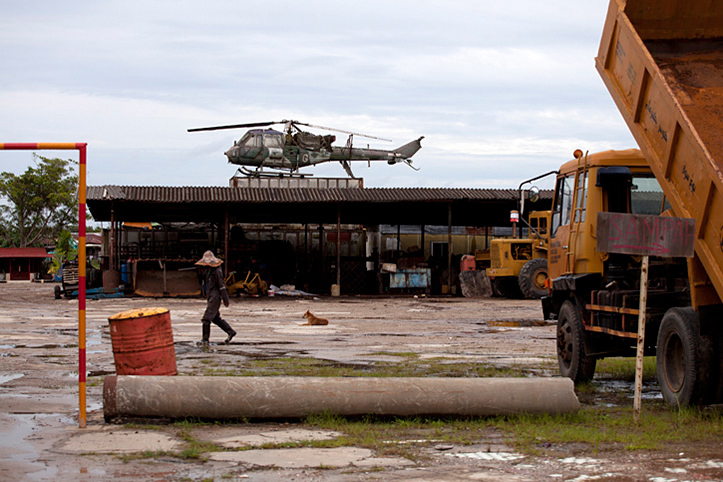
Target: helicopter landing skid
pixel 258 173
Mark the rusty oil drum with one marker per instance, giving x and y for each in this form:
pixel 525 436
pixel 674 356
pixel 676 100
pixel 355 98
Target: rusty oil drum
pixel 143 342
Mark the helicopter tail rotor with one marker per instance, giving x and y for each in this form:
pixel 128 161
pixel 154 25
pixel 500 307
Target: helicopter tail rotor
pixel 409 149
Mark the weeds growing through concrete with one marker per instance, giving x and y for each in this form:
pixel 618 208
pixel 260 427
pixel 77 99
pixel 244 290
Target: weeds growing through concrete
pixel 408 365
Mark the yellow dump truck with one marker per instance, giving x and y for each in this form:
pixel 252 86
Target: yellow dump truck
pixel 519 265
pixel 662 61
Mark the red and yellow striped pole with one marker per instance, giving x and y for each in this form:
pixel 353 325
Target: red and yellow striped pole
pixel 81 148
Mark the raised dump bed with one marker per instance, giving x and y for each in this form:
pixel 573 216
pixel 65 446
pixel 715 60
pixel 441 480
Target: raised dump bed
pixel 662 61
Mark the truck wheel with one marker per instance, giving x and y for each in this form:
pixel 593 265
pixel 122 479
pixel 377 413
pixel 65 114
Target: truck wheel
pixel 532 278
pixel 680 364
pixel 571 357
pixel 56 290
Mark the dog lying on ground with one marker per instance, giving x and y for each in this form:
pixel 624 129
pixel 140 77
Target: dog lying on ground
pixel 312 319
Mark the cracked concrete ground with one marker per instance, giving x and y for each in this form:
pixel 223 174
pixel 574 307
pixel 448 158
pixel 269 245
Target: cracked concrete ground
pixel 40 438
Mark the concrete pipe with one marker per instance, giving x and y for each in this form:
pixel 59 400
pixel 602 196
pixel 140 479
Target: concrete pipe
pixel 293 397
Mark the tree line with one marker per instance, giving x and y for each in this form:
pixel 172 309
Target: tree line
pixel 37 206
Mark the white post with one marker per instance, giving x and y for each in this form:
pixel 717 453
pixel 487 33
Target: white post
pixel 641 338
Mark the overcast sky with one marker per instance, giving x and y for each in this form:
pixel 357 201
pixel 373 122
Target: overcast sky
pixel 502 91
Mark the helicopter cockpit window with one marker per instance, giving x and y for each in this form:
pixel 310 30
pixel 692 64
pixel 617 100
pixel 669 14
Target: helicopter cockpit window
pixel 274 141
pixel 243 140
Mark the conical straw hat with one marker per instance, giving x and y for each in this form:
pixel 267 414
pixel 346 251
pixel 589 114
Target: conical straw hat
pixel 209 260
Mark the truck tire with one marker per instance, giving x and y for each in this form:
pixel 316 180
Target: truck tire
pixel 681 364
pixel 571 357
pixel 532 278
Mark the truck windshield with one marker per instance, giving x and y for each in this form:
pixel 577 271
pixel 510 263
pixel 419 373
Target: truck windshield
pixel 646 196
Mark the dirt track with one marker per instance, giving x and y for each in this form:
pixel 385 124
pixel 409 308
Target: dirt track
pixel 39 385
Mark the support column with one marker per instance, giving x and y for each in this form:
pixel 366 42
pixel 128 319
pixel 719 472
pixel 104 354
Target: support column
pixel 338 246
pixel 424 250
pixel 322 254
pixel 225 242
pixel 399 239
pixel 449 248
pixel 112 264
pixel 307 263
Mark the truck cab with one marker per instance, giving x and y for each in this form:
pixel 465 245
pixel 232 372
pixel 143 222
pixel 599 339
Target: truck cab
pixel 610 181
pixel 595 296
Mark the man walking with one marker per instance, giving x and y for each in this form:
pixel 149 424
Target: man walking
pixel 215 293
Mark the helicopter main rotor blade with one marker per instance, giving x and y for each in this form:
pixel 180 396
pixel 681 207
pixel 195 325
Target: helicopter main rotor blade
pixel 232 126
pixel 342 131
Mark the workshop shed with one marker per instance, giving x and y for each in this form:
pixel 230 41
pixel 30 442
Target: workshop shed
pixel 188 220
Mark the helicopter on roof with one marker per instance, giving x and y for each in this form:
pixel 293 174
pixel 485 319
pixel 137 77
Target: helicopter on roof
pixel 294 148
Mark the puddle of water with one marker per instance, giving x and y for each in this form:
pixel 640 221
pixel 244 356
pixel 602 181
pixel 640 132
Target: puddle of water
pixel 504 323
pixel 7 347
pixel 48 347
pixel 580 461
pixel 499 456
pixel 13 446
pixel 9 377
pixel 100 373
pixel 627 389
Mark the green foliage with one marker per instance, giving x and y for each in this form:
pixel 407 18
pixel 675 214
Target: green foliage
pixel 65 250
pixel 609 427
pixel 38 204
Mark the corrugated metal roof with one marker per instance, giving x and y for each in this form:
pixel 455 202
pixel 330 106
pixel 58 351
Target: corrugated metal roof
pixel 24 253
pixel 168 194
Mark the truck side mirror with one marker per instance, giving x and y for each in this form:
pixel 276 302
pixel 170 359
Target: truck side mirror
pixel 533 194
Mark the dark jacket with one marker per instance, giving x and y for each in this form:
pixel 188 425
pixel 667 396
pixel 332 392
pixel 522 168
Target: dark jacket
pixel 215 286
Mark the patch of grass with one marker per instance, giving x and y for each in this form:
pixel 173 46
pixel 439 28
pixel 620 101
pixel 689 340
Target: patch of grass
pixel 598 428
pixel 143 426
pixel 146 454
pixel 194 448
pixel 399 436
pixel 409 365
pixel 624 368
pixel 614 426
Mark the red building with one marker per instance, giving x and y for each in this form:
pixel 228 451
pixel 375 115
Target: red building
pixel 22 264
